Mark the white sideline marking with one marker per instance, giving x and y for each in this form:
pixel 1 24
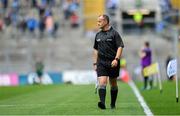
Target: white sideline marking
pixel 147 111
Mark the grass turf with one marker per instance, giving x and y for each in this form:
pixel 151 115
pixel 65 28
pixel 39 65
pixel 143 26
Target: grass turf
pixel 162 103
pixel 64 99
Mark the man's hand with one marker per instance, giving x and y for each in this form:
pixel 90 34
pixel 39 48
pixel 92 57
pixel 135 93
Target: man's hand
pixel 114 63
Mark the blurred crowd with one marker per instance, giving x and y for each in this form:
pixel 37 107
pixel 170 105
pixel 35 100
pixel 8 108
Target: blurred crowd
pixel 38 16
pixel 46 17
pixel 169 14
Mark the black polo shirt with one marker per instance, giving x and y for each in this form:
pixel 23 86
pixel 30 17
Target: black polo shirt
pixel 107 43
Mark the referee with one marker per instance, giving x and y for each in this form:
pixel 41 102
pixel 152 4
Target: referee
pixel 108 47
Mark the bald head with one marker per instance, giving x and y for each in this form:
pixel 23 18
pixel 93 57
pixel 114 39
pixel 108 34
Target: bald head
pixel 104 17
pixel 103 21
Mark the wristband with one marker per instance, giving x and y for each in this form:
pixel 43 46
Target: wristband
pixel 94 64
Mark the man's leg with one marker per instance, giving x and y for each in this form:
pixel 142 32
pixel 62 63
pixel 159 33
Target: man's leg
pixel 145 82
pixel 102 91
pixel 114 91
pixel 151 82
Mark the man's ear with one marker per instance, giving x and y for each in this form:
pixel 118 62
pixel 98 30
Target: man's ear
pixel 106 22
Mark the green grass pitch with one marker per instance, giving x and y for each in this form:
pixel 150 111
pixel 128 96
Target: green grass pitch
pixel 162 103
pixel 64 99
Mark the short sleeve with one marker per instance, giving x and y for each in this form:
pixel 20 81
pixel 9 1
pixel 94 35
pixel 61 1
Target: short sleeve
pixel 95 43
pixel 119 42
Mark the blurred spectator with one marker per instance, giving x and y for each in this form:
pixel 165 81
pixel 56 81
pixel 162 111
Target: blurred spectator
pixel 111 6
pixel 40 76
pixel 49 23
pixel 138 18
pixel 16 13
pixel 44 2
pixel 165 6
pixel 7 19
pixel 15 5
pixel 42 26
pixel 23 25
pixel 34 3
pixel 69 7
pixel 169 14
pixel 49 3
pixel 4 4
pixel 73 7
pixel 55 29
pixel 146 60
pixel 1 24
pixel 74 19
pixel 39 69
pixel 31 24
pixel 67 12
pixel 77 2
pixel 41 10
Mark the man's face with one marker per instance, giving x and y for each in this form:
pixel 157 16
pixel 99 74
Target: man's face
pixel 101 22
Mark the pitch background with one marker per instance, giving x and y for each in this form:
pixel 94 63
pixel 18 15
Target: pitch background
pixel 65 100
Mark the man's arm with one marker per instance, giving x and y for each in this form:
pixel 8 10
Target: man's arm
pixel 142 53
pixel 119 52
pixel 95 57
pixel 118 55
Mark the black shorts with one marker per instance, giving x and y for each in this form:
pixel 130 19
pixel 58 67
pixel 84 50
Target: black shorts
pixel 104 69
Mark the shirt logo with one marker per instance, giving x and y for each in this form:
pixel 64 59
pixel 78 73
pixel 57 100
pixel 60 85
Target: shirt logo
pixel 98 40
pixel 109 40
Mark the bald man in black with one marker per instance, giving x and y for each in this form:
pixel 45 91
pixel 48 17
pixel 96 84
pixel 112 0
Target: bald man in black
pixel 108 47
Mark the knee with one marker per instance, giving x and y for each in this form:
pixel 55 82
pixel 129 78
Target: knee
pixel 113 83
pixel 103 81
pixel 102 87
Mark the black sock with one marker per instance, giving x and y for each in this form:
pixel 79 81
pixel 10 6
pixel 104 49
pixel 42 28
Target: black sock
pixel 145 82
pixel 151 83
pixel 114 92
pixel 102 94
